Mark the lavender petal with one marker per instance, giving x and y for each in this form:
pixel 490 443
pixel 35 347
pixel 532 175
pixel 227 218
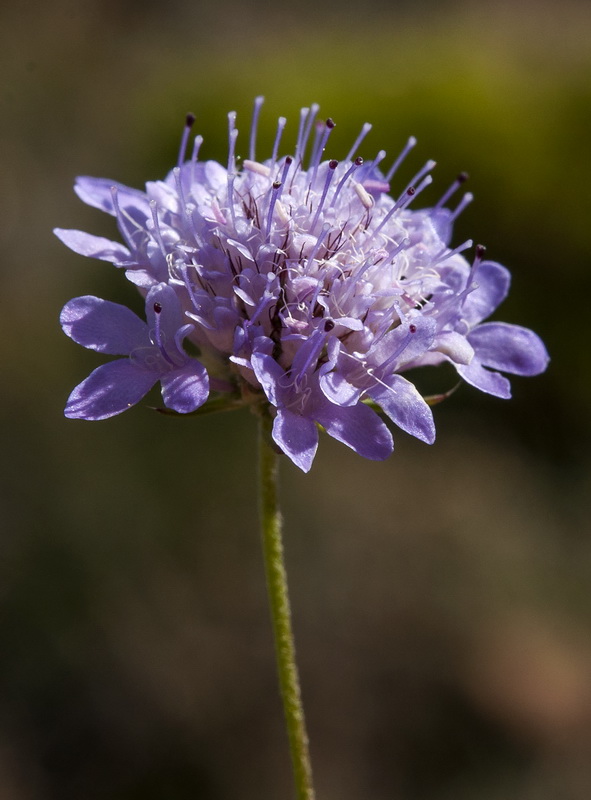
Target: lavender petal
pixel 103 326
pixel 510 348
pixel 185 389
pixel 109 390
pixel 297 436
pixel 401 401
pixel 85 244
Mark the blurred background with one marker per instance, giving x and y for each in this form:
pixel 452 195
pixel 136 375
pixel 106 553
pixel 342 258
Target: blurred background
pixel 442 599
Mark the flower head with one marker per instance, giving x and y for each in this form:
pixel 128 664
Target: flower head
pixel 304 285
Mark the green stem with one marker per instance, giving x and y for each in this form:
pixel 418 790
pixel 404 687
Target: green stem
pixel 281 615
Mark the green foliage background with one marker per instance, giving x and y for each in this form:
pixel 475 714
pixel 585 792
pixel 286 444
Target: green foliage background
pixel 441 599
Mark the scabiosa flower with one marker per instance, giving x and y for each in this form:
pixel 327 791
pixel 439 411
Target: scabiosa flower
pixel 302 283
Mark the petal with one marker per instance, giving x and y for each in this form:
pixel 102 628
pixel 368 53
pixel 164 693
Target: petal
pixel 297 436
pixel 401 401
pixel 103 326
pixel 510 348
pixel 455 346
pixel 93 246
pixel 268 373
pixel 338 389
pixel 442 221
pixel 97 192
pixel 493 285
pixel 358 427
pixel 109 390
pixel 490 382
pixel 185 389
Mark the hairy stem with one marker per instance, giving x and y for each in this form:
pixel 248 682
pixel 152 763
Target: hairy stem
pixel 281 615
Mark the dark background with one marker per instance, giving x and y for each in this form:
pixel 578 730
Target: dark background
pixel 442 600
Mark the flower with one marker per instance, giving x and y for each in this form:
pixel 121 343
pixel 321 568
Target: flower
pixel 302 284
pixel 155 354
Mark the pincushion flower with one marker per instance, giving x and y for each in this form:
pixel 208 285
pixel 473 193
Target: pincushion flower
pixel 303 286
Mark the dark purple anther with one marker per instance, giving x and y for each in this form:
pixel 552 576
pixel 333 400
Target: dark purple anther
pixel 157 308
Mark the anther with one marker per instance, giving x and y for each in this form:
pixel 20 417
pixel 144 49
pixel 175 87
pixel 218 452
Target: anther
pixel 157 308
pixel 328 325
pixel 412 328
pixel 480 251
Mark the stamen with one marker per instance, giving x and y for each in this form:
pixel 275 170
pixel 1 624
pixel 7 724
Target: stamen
pixel 281 122
pixel 275 193
pixel 364 131
pixel 179 187
pixel 303 116
pixel 232 136
pixel 231 179
pixel 427 181
pixel 396 248
pixel 194 155
pixel 465 201
pixel 405 151
pixel 427 167
pixel 258 102
pixel 160 340
pixel 314 109
pixel 189 122
pixel 157 231
pixel 354 166
pixel 412 329
pixel 319 129
pixel 478 258
pixel 317 246
pixel 119 216
pixel 459 249
pixel 329 126
pixel 462 178
pixel 332 165
pixel 374 184
pixel 405 196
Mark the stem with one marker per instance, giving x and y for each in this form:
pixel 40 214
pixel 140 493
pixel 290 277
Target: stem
pixel 280 614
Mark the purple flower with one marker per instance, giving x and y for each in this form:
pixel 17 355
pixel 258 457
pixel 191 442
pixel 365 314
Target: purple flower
pixel 304 286
pixel 154 351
